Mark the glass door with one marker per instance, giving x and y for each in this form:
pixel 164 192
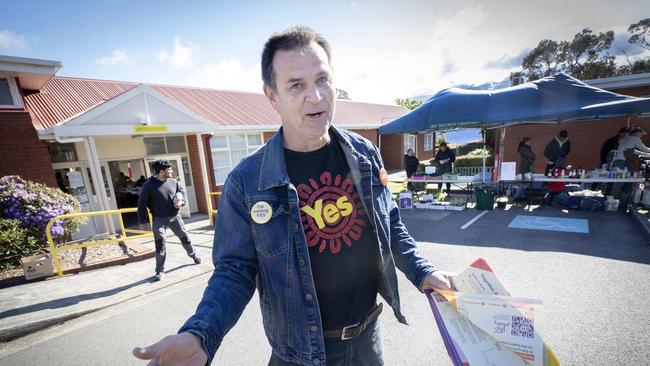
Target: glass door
pixel 179 175
pixel 70 179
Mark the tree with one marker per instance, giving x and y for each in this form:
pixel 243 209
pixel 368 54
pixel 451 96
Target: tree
pixel 640 33
pixel 544 60
pixel 586 56
pixel 342 94
pixel 408 103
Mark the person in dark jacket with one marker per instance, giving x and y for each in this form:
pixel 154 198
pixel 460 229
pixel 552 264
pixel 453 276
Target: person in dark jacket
pixel 444 158
pixel 611 144
pixel 411 165
pixel 556 151
pixel 527 164
pixel 164 196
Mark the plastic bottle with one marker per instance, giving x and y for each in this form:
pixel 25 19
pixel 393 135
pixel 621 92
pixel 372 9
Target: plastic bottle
pixel 562 173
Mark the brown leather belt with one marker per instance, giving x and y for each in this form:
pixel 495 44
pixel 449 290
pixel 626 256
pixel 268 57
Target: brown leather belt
pixel 354 330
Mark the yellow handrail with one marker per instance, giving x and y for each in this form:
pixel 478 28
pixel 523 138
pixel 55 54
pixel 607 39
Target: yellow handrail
pixel 122 236
pixel 212 212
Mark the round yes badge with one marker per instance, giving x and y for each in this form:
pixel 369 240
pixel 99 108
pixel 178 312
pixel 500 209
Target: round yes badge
pixel 261 212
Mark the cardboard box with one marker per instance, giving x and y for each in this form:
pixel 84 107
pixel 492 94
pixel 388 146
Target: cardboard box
pixel 37 266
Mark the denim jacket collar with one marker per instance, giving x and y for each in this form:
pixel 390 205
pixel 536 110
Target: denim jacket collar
pixel 273 172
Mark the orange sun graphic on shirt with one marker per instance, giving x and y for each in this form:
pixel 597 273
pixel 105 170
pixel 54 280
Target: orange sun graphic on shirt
pixel 331 212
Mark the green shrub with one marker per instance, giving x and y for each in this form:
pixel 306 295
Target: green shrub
pixel 16 242
pixel 472 161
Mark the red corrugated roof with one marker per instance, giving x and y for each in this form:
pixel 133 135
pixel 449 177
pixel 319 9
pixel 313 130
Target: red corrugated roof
pixel 64 97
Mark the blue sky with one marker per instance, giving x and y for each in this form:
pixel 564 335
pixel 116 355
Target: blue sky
pixel 382 49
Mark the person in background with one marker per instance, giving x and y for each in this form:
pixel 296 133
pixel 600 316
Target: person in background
pixel 140 182
pixel 411 165
pixel 527 164
pixel 444 159
pixel 556 151
pixel 611 144
pixel 628 147
pixel 164 196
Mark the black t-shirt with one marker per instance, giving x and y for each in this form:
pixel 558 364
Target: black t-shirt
pixel 342 250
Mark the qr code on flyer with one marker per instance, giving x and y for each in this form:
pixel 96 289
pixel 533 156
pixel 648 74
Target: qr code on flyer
pixel 523 327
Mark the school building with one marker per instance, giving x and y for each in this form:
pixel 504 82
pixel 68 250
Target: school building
pixel 96 139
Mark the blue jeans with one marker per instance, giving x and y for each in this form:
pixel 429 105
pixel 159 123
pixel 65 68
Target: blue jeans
pixel 364 350
pixel 160 225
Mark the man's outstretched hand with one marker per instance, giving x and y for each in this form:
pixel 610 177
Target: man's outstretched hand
pixel 182 349
pixel 438 280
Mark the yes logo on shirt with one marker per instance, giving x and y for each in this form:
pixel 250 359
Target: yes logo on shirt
pixel 331 212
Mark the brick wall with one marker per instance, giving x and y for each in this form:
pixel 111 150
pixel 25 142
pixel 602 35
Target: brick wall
pixel 586 138
pixel 421 154
pixel 21 152
pixel 392 152
pixel 199 185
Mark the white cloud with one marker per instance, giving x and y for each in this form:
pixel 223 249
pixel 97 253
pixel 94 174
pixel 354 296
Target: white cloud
pixel 118 56
pixel 475 45
pixel 183 55
pixel 355 5
pixel 228 74
pixel 12 41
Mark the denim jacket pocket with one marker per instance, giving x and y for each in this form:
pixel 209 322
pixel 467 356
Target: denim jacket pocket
pixel 272 237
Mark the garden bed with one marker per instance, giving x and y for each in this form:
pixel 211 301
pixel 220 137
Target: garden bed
pixel 78 260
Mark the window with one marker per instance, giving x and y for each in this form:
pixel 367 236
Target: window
pixel 409 143
pixel 428 141
pixel 9 94
pixel 229 150
pixel 61 153
pixel 165 145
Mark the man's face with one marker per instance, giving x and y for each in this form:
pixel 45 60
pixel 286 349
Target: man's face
pixel 305 95
pixel 410 152
pixel 165 173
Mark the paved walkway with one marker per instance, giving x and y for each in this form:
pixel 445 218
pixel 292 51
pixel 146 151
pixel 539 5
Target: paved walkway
pixel 34 306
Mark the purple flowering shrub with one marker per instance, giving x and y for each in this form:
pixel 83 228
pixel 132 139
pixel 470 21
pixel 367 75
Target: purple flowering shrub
pixel 34 204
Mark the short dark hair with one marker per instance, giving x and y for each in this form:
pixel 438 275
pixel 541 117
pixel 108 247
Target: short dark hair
pixel 638 129
pixel 563 134
pixel 624 130
pixel 290 39
pixel 159 165
pixel 443 143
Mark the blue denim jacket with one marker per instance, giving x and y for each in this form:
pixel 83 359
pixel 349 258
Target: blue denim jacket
pixel 273 257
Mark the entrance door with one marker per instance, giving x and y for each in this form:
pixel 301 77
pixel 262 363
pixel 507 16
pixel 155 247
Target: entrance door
pixel 179 175
pixel 70 179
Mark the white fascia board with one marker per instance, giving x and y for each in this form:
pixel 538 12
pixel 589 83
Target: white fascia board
pixel 625 81
pixel 29 65
pixel 117 130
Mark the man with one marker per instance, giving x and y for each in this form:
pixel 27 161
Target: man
pixel 309 221
pixel 611 144
pixel 164 196
pixel 444 159
pixel 411 164
pixel 556 151
pixel 628 147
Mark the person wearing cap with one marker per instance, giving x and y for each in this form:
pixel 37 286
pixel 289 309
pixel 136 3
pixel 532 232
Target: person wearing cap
pixel 611 145
pixel 307 220
pixel 628 147
pixel 164 196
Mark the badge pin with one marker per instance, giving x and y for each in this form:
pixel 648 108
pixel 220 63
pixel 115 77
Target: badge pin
pixel 383 177
pixel 261 212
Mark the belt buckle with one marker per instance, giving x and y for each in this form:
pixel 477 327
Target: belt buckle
pixel 343 336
